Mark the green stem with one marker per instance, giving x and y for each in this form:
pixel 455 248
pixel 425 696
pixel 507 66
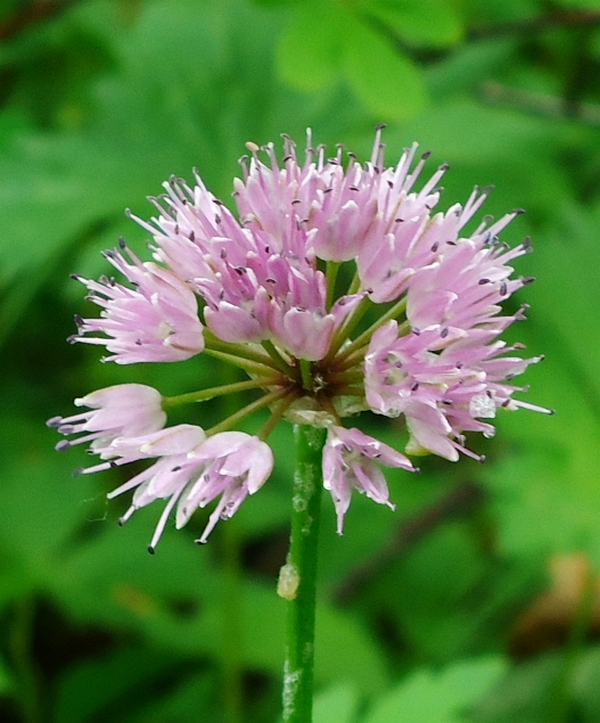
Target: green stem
pixel 276 414
pixel 348 376
pixel 206 394
pixel 278 360
pixel 305 371
pixel 354 284
pixel 245 351
pixel 246 411
pixel 347 328
pixel 297 582
pixel 331 273
pixel 248 365
pixel 362 339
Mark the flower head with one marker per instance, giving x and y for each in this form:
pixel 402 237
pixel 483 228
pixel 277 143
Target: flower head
pixel 291 290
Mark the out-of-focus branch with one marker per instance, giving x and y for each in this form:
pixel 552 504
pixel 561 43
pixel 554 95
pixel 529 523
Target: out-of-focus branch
pixel 30 14
pixel 528 26
pixel 458 503
pixel 547 106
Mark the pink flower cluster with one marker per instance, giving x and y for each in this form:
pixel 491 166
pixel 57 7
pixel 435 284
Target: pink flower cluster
pixel 292 292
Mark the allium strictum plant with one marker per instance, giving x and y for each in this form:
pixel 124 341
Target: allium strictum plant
pixel 338 289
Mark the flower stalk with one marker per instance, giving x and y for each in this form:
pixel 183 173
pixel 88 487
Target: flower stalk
pixel 205 394
pixel 246 411
pixel 297 581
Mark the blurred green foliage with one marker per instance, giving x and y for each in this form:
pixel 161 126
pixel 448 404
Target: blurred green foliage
pixel 420 612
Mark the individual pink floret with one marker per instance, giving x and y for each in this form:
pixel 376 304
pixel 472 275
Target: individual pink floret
pixel 443 382
pixel 466 284
pixel 351 461
pixel 193 471
pixel 123 410
pixel 234 465
pixel 154 320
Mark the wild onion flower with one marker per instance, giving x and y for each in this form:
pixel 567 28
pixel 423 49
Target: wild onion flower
pixel 154 320
pixel 338 291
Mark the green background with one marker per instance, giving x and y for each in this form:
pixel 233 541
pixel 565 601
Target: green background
pixel 442 612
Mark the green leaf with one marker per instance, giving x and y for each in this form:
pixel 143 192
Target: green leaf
pixel 585 684
pixel 387 82
pixel 308 50
pixel 432 23
pixel 338 704
pixel 43 506
pixel 526 694
pixel 93 687
pixel 438 698
pixel 467 68
pixel 546 492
